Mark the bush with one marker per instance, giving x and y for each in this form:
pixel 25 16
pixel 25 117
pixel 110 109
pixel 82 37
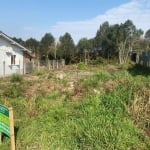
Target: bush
pixel 99 60
pixel 93 80
pixel 16 78
pixel 13 91
pixel 81 66
pixel 40 72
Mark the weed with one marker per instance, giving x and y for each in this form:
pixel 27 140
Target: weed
pixel 39 72
pixel 115 118
pixel 53 95
pixel 16 78
pixel 13 91
pixel 81 66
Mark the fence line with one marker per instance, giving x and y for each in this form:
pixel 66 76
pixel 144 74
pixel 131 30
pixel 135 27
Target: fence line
pixel 52 64
pixel 144 59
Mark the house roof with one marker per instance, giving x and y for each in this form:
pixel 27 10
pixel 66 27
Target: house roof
pixel 14 42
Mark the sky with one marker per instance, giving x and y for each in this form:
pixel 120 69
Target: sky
pixel 81 18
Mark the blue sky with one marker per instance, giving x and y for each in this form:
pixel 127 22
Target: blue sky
pixel 81 18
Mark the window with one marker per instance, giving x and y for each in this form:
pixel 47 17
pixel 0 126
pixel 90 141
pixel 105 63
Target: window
pixel 13 59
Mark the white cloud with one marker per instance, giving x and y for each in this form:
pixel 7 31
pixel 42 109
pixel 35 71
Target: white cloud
pixel 136 10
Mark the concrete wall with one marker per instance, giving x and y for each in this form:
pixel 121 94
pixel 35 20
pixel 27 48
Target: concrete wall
pixel 6 50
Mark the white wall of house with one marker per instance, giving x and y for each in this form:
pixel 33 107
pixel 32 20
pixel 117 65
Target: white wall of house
pixel 7 49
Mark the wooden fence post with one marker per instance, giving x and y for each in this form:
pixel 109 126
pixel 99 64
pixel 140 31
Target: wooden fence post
pixel 57 64
pixel 38 66
pixel 49 65
pixel 63 62
pixel 12 136
pixel 53 64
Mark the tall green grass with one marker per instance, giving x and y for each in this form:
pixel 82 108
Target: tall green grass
pixel 94 122
pixel 16 78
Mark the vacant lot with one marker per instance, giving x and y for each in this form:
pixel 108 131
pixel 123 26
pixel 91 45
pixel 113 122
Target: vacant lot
pixel 80 107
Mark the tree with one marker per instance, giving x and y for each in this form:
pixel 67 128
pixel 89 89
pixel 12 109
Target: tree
pixel 67 47
pixel 118 40
pixel 105 40
pixel 147 35
pixel 147 39
pixel 19 40
pixel 45 44
pixel 84 46
pixel 33 45
pixel 101 35
pixel 128 35
pixel 53 50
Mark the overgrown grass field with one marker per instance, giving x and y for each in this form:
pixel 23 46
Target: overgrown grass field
pixel 101 108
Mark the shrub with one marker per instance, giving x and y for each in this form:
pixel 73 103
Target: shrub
pixel 16 78
pixel 40 72
pixel 93 80
pixel 81 66
pixel 13 91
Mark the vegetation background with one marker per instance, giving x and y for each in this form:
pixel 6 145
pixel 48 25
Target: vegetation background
pixel 101 100
pixel 98 106
pixel 116 41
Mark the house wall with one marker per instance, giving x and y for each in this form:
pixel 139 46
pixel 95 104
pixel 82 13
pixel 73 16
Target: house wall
pixel 6 50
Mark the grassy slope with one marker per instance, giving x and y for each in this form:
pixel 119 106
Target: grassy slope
pixel 100 119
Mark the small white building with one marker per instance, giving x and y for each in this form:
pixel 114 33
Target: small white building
pixel 14 58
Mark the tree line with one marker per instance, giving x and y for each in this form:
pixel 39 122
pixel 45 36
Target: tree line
pixel 110 42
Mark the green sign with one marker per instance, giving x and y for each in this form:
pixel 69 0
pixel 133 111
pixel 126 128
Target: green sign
pixel 4 120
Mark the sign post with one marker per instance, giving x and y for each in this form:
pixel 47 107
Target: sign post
pixel 12 136
pixel 7 123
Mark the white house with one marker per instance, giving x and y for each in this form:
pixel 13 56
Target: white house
pixel 14 58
